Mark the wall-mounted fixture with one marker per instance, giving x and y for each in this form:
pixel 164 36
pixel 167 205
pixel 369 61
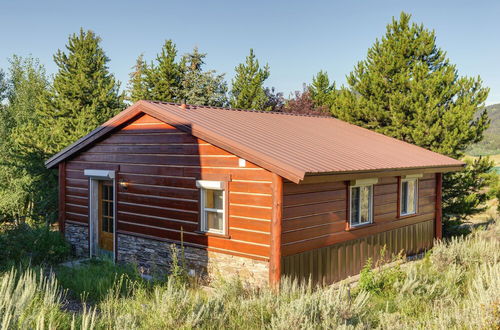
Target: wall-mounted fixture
pixel 123 184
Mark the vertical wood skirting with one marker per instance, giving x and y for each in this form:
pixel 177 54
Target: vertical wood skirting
pixel 275 253
pixel 438 229
pixel 338 261
pixel 62 195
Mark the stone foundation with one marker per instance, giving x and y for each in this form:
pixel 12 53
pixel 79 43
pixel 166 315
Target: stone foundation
pixel 77 237
pixel 153 256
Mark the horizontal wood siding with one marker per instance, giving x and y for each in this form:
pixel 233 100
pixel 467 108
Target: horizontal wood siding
pixel 161 165
pixel 315 215
pixel 338 261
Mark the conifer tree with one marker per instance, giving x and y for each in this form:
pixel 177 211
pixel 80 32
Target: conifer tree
pixel 248 91
pixel 321 91
pixel 201 87
pixel 164 77
pixel 407 88
pixel 138 87
pixel 84 93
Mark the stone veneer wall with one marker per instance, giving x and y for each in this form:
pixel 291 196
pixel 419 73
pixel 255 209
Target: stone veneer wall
pixel 77 236
pixel 155 256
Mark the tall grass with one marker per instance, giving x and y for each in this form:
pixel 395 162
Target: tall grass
pixel 456 286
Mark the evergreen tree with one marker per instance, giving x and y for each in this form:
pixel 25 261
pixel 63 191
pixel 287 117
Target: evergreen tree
pixel 138 87
pixel 321 91
pixel 247 86
pixel 170 80
pixel 164 77
pixel 201 87
pixel 84 93
pixel 408 89
pixel 27 189
pixel 464 193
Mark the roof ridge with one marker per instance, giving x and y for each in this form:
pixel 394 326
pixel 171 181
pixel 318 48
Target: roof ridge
pixel 193 106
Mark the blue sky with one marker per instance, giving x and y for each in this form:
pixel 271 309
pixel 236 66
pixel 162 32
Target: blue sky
pixel 296 38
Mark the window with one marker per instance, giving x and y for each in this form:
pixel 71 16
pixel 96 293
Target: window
pixel 361 205
pixel 213 217
pixel 409 196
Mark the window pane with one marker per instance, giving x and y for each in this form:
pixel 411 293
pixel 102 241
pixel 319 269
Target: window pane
pixel 365 203
pixel 404 197
pixel 214 221
pixel 105 224
pixel 355 206
pixel 110 225
pixel 104 208
pixel 214 199
pixel 411 196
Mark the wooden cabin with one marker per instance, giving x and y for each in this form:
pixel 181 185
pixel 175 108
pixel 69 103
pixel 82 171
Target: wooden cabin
pixel 256 194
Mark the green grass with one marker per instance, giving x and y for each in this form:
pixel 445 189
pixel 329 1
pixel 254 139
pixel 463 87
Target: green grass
pixel 93 279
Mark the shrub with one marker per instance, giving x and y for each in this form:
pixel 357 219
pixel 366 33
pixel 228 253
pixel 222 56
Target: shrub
pixel 37 244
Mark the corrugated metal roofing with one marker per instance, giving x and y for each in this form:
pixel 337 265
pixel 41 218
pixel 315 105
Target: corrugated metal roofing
pixel 293 144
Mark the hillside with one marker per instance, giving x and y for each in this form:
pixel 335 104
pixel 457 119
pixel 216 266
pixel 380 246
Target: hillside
pixel 491 142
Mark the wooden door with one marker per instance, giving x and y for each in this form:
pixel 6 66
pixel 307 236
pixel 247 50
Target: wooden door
pixel 106 215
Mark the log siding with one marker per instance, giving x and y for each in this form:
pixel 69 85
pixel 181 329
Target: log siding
pixel 161 165
pixel 316 215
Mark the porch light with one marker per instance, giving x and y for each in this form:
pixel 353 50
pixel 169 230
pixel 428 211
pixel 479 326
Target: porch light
pixel 123 184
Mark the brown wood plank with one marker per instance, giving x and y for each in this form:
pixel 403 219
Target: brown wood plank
pixel 159 180
pixel 158 159
pixel 172 149
pixel 151 138
pixel 313 197
pixel 158 212
pixel 250 236
pixel 250 187
pixel 163 191
pixel 312 232
pixel 142 219
pixel 313 220
pixel 242 173
pixel 302 210
pixel 157 201
pixel 249 199
pixel 251 212
pixel 292 188
pixel 258 225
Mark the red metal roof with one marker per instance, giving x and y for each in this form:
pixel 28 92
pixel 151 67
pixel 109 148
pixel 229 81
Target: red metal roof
pixel 289 145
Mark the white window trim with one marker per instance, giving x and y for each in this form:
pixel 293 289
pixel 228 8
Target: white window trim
pixel 370 211
pixel 212 185
pixel 407 179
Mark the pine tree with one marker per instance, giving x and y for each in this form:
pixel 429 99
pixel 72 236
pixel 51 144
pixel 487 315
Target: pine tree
pixel 138 88
pixel 247 90
pixel 321 91
pixel 408 89
pixel 201 87
pixel 84 93
pixel 164 77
